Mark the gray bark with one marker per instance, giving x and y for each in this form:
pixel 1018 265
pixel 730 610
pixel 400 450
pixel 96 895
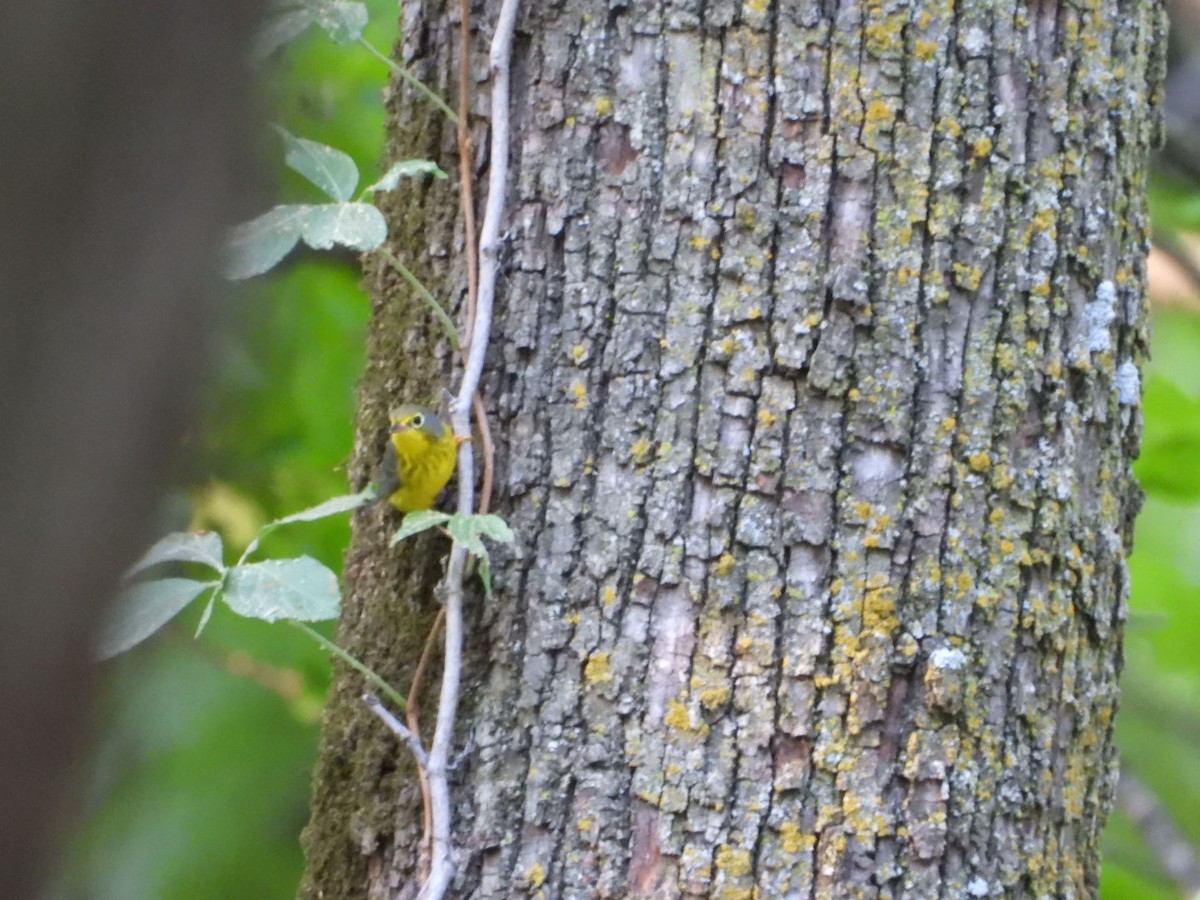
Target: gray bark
pixel 815 392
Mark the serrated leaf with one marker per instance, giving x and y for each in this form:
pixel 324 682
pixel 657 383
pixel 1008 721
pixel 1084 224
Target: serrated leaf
pixel 143 609
pixel 256 246
pixel 359 226
pixel 279 29
pixel 416 522
pixel 408 168
pixel 331 170
pixel 330 507
pixel 299 588
pixel 342 21
pixel 202 547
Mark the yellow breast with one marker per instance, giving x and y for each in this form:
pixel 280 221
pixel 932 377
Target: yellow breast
pixel 423 465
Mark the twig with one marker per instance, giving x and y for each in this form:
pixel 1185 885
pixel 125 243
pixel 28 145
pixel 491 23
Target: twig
pixel 1170 846
pixel 489 456
pixel 442 870
pixel 466 187
pixel 1169 244
pixel 413 716
pixel 398 729
pixel 465 179
pixel 467 201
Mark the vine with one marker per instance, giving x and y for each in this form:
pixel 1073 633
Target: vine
pixel 302 590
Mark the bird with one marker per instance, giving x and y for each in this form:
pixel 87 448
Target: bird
pixel 419 458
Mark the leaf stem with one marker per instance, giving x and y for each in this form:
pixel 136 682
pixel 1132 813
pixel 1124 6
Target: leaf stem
pixel 412 79
pixel 430 300
pixel 392 694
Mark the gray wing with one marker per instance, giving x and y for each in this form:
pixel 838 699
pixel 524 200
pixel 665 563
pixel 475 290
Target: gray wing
pixel 386 478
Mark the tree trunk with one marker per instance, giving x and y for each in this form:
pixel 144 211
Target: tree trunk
pixel 815 390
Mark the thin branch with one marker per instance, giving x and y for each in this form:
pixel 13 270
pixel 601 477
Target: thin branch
pixel 1169 244
pixel 398 729
pixel 1170 846
pixel 489 455
pixel 465 180
pixel 412 79
pixel 413 716
pixel 466 183
pixel 442 870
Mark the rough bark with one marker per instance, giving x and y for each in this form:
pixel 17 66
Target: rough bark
pixel 815 392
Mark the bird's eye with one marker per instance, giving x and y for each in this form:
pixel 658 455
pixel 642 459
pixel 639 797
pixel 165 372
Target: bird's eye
pixel 418 420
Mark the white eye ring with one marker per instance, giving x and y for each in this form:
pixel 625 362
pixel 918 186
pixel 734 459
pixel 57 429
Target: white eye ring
pixel 418 420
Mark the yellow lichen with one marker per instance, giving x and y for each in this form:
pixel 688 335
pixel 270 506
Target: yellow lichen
pixel 677 716
pixel 980 462
pixel 879 611
pixel 724 565
pixel 925 50
pixel 641 451
pixel 879 112
pixel 733 861
pixel 598 670
pixel 535 875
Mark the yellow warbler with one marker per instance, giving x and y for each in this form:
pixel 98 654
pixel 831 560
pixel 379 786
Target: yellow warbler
pixel 419 459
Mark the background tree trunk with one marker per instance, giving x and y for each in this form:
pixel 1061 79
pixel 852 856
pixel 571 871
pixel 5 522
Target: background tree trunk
pixel 123 155
pixel 815 391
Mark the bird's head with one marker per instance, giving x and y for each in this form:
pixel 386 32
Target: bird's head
pixel 411 419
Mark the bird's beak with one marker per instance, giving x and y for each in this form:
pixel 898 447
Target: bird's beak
pixel 396 429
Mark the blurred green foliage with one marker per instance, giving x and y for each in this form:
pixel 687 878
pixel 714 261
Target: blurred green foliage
pixel 1158 729
pixel 200 781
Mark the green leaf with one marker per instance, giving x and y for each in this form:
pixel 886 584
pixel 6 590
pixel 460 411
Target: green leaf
pixel 485 576
pixel 416 522
pixel 493 527
pixel 331 170
pixel 342 21
pixel 256 246
pixel 409 168
pixel 281 28
pixel 143 609
pixel 359 226
pixel 330 507
pixel 299 588
pixel 202 547
pixel 470 531
pixel 1171 443
pixel 465 530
